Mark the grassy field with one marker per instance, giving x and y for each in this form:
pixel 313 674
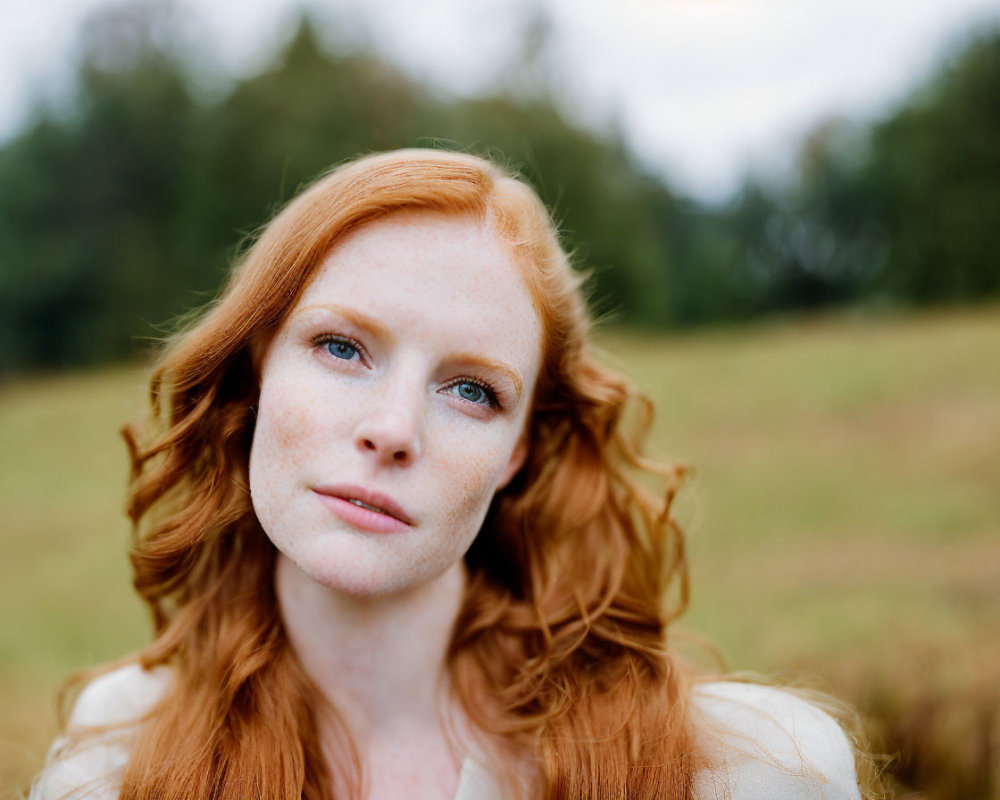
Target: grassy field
pixel 843 515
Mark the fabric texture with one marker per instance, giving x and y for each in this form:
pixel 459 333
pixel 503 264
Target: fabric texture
pixel 764 743
pixel 760 743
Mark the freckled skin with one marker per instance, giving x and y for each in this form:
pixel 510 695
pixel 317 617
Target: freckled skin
pixel 392 420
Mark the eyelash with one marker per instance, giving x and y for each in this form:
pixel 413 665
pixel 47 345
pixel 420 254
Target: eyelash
pixel 492 400
pixel 491 395
pixel 326 339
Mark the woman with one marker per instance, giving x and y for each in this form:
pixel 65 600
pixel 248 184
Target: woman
pixel 390 529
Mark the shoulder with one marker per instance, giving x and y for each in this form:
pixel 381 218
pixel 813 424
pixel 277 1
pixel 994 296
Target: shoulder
pixel 122 695
pixel 87 760
pixel 762 742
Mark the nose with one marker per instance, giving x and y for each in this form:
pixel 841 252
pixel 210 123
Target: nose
pixel 390 428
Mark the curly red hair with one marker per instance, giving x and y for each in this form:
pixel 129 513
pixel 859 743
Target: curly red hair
pixel 560 646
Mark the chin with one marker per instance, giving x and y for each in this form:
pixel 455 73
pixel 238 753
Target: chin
pixel 360 581
pixel 363 589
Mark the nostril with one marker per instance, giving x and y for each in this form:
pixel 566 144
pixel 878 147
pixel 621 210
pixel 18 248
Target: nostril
pixel 388 447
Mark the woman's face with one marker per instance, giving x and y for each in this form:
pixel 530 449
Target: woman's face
pixel 393 403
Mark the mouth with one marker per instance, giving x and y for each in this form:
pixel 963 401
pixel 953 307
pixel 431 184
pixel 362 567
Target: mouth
pixel 375 510
pixel 361 504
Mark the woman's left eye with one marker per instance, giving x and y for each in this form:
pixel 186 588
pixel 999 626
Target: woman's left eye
pixel 476 393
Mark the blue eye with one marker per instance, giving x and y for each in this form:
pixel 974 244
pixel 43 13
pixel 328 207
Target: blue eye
pixel 340 348
pixel 471 392
pixel 474 392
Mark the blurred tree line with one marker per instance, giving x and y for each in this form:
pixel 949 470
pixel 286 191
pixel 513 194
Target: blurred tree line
pixel 124 210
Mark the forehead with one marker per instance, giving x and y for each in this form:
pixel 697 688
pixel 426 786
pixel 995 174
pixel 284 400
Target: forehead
pixel 435 274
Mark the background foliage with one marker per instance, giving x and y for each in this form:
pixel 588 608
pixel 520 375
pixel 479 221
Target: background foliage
pixel 123 209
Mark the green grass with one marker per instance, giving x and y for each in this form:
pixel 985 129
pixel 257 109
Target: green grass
pixel 64 587
pixel 846 498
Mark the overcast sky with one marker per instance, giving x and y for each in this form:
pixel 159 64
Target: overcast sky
pixel 703 89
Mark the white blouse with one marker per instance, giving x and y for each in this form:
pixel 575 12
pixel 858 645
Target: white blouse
pixel 761 744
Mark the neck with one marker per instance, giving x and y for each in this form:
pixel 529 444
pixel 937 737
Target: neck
pixel 380 661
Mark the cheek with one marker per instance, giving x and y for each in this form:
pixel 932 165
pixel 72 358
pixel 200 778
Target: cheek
pixel 473 479
pixel 289 414
pixel 284 417
pixel 273 433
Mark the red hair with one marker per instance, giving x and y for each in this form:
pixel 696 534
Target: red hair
pixel 560 647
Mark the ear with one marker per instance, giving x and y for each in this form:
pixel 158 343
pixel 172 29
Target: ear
pixel 517 459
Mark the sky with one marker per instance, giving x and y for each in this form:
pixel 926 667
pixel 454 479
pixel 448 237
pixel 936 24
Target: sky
pixel 704 91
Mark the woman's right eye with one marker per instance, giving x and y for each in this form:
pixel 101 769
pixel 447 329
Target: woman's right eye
pixel 341 349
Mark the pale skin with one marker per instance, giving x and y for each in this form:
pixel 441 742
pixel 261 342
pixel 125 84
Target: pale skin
pixel 402 381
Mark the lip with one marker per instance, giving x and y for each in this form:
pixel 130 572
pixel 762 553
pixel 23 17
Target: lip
pixel 391 517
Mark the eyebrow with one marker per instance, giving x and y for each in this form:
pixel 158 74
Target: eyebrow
pixel 495 366
pixel 358 318
pixel 362 320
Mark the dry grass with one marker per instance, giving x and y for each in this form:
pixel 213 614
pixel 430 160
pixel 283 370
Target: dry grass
pixel 843 521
